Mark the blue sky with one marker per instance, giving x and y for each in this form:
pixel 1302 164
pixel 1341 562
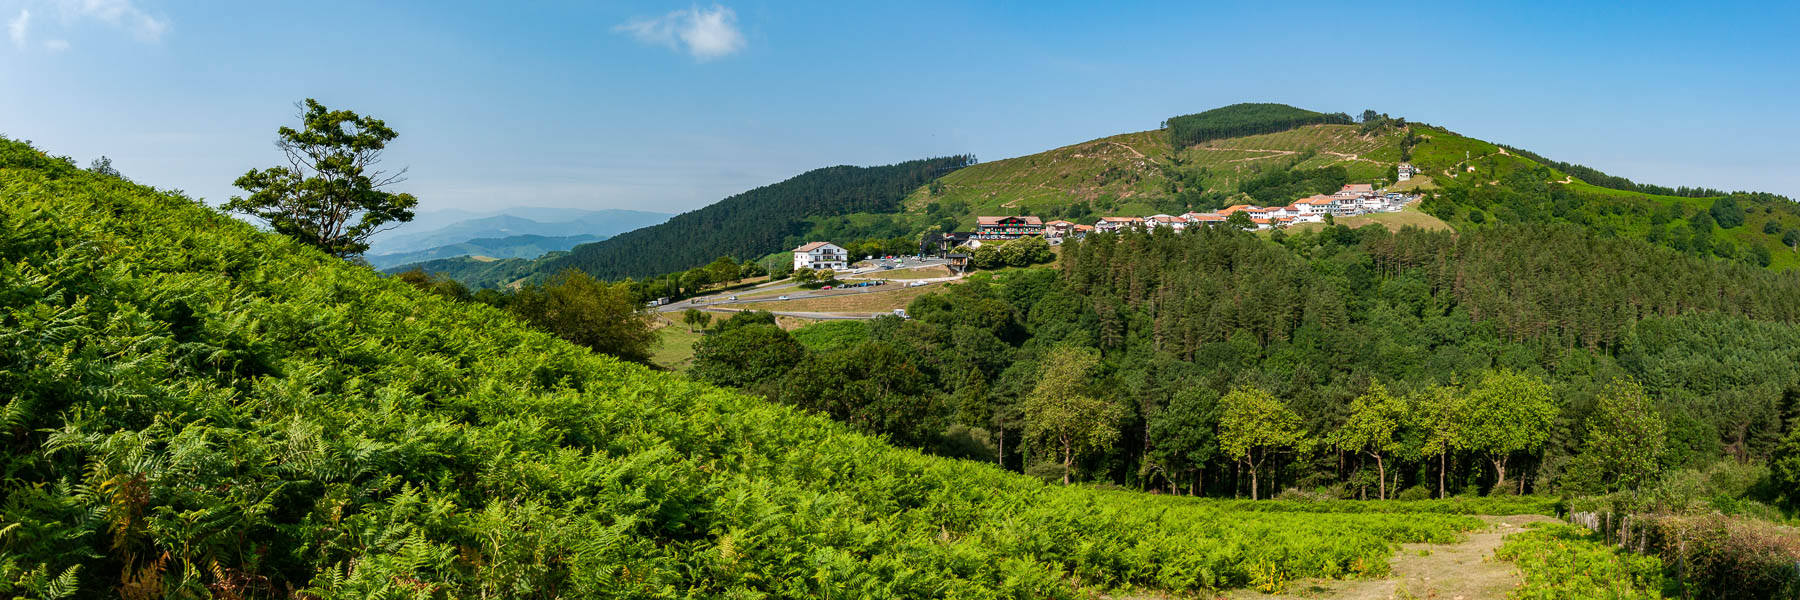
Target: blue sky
pixel 670 106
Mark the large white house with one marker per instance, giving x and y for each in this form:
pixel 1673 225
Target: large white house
pixel 821 255
pixel 1404 172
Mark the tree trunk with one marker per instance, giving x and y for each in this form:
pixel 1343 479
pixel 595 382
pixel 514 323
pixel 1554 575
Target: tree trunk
pixel 1253 476
pixel 1000 457
pixel 1442 457
pixel 1499 472
pixel 1381 474
pixel 1198 485
pixel 1068 459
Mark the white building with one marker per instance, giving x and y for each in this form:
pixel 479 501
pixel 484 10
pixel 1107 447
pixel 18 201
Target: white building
pixel 1405 172
pixel 821 255
pixel 1116 224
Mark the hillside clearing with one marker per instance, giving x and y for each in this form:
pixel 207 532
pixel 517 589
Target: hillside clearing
pixel 919 273
pixel 883 301
pixel 674 344
pixel 1395 221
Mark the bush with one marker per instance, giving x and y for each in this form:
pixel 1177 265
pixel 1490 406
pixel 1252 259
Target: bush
pixel 1566 561
pixel 1722 557
pixel 1417 492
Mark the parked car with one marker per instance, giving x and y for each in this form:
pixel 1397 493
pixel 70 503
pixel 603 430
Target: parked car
pixel 782 298
pixel 918 283
pixel 901 312
pixel 825 288
pixel 732 299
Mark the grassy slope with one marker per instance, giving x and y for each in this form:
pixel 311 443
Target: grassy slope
pixel 1410 217
pixel 1442 156
pixel 226 398
pixel 1128 167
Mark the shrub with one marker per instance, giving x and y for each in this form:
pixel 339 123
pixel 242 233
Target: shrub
pixel 1566 561
pixel 1417 492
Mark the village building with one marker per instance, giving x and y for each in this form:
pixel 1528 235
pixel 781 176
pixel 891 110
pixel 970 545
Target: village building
pixel 1175 223
pixel 1317 204
pixel 1356 189
pixel 821 255
pixel 1117 224
pixel 1058 228
pixel 1007 228
pixel 1405 172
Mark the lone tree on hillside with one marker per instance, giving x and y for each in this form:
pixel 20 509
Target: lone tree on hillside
pixel 695 318
pixel 330 195
pixel 1254 425
pixel 1065 412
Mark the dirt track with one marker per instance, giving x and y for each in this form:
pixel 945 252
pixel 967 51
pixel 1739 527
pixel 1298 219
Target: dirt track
pixel 1460 571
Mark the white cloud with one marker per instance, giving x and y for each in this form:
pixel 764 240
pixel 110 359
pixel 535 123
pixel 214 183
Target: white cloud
pixel 119 13
pixel 17 27
pixel 56 45
pixel 704 33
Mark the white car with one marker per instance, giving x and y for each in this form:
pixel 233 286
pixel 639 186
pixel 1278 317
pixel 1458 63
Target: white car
pixel 782 298
pixel 918 283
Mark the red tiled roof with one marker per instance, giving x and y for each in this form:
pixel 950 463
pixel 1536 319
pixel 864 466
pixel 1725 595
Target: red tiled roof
pixel 1123 219
pixel 996 220
pixel 811 246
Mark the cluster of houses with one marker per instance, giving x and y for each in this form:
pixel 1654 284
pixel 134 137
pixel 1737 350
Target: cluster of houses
pixel 1351 200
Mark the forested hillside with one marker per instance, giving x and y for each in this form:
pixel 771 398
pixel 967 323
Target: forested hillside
pixel 768 219
pixel 1239 120
pixel 193 408
pixel 1185 329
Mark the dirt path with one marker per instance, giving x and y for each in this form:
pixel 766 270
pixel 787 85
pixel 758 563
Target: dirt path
pixel 1461 571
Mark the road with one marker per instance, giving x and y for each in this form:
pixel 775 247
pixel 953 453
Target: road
pixel 720 302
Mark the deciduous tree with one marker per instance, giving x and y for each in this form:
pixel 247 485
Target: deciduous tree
pixel 331 193
pixel 1063 411
pixel 602 316
pixel 1373 428
pixel 1437 412
pixel 746 356
pixel 1254 425
pixel 1507 412
pixel 1626 438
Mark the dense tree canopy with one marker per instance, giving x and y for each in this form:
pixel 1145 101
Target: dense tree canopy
pixel 1243 119
pixel 756 222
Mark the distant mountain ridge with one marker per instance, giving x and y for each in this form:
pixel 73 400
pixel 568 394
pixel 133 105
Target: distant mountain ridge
pixel 516 246
pixel 434 231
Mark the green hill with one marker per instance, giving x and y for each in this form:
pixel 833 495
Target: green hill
pixel 768 219
pixel 1471 183
pixel 479 272
pixel 193 408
